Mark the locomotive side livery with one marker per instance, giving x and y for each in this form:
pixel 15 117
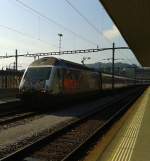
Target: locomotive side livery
pixel 52 77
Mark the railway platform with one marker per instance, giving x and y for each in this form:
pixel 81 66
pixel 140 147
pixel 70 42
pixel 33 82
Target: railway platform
pixel 8 93
pixel 132 142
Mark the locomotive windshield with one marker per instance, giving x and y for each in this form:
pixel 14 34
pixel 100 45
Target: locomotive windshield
pixel 38 73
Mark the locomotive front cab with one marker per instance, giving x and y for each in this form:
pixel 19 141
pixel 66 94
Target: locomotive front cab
pixel 35 81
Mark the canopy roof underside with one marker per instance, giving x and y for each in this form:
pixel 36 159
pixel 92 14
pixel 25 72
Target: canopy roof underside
pixel 132 17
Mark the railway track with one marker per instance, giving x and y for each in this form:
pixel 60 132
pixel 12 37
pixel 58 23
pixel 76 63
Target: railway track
pixel 65 143
pixel 9 105
pixel 17 113
pixel 6 119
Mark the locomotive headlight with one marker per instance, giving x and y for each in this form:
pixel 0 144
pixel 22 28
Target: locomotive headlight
pixel 44 91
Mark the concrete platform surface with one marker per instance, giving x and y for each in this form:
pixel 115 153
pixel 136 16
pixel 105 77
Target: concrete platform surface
pixel 132 142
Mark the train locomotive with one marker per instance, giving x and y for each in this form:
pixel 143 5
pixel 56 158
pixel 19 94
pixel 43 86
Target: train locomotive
pixel 50 77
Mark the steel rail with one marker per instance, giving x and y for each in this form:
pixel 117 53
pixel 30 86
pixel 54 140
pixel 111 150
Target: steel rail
pixel 100 130
pixel 41 141
pixel 7 107
pixel 16 117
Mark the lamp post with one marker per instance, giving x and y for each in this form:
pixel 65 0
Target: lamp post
pixel 60 39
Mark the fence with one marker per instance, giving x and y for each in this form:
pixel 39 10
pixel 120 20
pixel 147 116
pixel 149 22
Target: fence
pixel 10 78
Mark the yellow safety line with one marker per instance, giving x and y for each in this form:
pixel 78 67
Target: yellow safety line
pixel 124 149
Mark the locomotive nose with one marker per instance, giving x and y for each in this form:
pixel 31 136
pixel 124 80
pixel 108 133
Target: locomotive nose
pixel 36 85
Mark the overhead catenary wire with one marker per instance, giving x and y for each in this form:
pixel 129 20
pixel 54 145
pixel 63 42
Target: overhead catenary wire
pixel 87 20
pixel 55 22
pixel 26 35
pixel 129 59
pixel 122 53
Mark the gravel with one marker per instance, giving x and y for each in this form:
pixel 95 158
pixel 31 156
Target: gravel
pixel 15 137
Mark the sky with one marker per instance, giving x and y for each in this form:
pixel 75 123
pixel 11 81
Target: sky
pixel 33 25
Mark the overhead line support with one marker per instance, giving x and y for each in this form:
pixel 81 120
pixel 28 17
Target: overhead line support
pixel 64 52
pixel 113 65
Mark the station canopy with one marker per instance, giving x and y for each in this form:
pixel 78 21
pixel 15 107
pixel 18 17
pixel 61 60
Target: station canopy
pixel 132 17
